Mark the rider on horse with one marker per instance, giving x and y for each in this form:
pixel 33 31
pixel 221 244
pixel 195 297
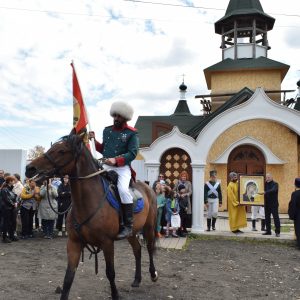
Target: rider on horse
pixel 119 147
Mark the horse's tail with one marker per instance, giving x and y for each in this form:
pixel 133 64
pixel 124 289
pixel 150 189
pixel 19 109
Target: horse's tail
pixel 154 206
pixel 151 226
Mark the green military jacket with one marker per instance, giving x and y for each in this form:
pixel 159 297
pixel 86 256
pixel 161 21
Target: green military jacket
pixel 121 144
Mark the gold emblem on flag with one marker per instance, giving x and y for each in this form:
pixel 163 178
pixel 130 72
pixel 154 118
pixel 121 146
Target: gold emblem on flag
pixel 76 112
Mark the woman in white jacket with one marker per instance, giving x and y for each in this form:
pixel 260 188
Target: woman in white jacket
pixel 45 212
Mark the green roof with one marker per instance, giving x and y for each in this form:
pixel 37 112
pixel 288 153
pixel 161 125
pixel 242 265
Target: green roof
pixel 144 124
pixel 182 108
pixel 240 97
pixel 297 105
pixel 229 65
pixel 238 8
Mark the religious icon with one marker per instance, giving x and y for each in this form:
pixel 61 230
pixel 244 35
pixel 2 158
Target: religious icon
pixel 251 190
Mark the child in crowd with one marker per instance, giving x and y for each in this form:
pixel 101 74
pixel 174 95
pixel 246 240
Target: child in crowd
pixel 161 201
pixel 172 208
pixel 183 206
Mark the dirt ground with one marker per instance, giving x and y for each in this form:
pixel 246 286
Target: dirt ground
pixel 206 269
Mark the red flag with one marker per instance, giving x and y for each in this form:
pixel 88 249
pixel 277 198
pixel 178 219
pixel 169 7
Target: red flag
pixel 80 119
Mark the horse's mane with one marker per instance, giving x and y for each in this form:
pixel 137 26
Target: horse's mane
pixel 80 147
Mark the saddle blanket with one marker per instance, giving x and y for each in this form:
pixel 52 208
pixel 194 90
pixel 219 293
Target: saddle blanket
pixel 138 201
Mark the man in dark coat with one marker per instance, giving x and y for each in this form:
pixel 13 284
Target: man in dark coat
pixel 294 209
pixel 271 205
pixel 119 148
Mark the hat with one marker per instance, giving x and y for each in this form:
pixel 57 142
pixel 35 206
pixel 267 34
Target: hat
pixel 181 187
pixel 232 175
pixel 213 173
pixel 123 109
pixel 297 182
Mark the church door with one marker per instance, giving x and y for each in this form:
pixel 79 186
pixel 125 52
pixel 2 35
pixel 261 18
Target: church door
pixel 246 160
pixel 173 162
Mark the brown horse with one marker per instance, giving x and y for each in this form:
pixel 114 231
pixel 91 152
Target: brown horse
pixel 97 219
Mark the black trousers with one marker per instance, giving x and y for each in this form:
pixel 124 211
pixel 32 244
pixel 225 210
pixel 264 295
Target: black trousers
pixel 1 220
pixel 9 222
pixel 27 221
pixel 184 220
pixel 36 219
pixel 60 220
pixel 297 228
pixel 272 209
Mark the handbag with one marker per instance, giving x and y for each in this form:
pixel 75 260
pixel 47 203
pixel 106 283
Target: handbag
pixel 175 221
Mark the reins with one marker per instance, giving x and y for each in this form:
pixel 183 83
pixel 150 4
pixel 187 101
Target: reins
pixel 77 226
pixel 88 176
pixel 50 204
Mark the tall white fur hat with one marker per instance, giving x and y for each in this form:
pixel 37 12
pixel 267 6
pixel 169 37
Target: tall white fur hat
pixel 123 109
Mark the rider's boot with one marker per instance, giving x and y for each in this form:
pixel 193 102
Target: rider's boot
pixel 126 230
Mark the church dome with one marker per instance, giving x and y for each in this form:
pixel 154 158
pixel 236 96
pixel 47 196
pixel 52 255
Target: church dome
pixel 183 87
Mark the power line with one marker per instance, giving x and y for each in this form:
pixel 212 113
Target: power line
pixel 175 5
pixel 135 1
pixel 197 7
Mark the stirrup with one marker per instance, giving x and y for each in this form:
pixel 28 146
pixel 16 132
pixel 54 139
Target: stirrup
pixel 125 233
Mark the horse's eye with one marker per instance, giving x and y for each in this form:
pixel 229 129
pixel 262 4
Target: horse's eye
pixel 61 151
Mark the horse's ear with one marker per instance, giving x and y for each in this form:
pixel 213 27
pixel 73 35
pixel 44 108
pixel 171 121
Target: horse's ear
pixel 82 135
pixel 73 131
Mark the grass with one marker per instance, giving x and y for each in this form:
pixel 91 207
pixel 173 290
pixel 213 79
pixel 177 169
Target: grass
pixel 248 240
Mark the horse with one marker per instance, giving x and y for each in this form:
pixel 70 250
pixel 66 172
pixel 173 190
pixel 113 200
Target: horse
pixel 93 222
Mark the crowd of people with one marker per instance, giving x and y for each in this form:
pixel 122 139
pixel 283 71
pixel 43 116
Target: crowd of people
pixel 27 208
pixel 175 205
pixel 35 205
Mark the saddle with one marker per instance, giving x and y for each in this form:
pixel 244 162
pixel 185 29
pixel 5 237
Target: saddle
pixel 110 181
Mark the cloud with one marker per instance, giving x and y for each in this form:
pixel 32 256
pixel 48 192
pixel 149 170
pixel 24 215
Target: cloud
pixel 292 37
pixel 122 51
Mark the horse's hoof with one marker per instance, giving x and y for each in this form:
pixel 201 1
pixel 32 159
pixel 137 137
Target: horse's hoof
pixel 154 279
pixel 58 290
pixel 136 283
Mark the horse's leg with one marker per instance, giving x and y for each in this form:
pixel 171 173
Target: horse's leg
pixel 149 232
pixel 136 247
pixel 108 250
pixel 74 251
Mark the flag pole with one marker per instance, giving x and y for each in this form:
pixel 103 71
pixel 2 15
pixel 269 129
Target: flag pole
pixel 93 147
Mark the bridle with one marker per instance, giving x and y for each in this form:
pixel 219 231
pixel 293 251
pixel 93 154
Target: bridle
pixel 57 168
pixel 74 157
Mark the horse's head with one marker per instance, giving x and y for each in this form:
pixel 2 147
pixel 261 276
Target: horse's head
pixel 59 160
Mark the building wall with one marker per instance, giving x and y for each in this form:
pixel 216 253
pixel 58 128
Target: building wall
pixel 13 161
pixel 233 82
pixel 278 138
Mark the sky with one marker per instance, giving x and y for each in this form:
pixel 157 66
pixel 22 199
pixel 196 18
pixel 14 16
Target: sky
pixel 123 50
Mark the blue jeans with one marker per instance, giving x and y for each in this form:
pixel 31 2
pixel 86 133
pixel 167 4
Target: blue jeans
pixel 48 227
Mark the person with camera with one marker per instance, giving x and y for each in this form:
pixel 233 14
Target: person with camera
pixel 30 198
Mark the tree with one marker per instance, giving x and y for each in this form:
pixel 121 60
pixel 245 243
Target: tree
pixel 36 152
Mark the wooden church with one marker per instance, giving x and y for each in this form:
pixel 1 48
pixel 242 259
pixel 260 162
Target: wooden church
pixel 245 126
